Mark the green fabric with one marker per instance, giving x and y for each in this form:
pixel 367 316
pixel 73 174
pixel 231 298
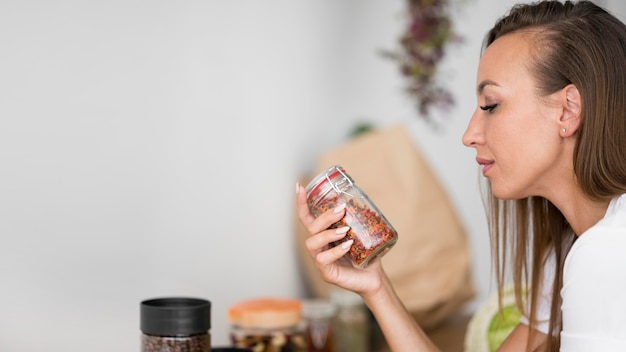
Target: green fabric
pixel 502 325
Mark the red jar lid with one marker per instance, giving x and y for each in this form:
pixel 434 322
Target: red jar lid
pixel 321 180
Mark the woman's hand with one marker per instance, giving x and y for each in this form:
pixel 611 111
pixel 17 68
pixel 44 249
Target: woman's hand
pixel 330 261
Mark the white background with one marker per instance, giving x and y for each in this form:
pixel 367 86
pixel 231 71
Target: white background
pixel 150 148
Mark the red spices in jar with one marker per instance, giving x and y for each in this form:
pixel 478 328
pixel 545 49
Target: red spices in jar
pixel 372 233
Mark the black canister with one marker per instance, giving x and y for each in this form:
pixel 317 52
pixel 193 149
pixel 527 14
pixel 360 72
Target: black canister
pixel 175 324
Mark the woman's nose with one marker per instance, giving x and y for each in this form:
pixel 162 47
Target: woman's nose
pixel 473 133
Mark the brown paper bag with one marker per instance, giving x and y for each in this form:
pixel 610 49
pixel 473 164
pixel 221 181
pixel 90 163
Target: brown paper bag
pixel 430 264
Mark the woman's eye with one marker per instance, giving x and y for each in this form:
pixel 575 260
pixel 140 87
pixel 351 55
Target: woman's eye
pixel 488 107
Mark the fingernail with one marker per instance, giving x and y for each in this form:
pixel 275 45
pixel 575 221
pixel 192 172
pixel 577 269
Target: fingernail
pixel 342 230
pixel 346 244
pixel 339 208
pixel 297 187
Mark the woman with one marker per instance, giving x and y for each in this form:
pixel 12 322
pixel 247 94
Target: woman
pixel 550 135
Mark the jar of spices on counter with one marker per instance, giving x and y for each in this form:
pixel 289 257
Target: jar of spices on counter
pixel 175 324
pixel 351 324
pixel 268 325
pixel 373 235
pixel 318 317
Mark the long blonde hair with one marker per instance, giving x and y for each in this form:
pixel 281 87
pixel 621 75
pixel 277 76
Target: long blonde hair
pixel 574 43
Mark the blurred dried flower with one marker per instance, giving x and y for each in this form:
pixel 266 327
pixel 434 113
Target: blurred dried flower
pixel 423 43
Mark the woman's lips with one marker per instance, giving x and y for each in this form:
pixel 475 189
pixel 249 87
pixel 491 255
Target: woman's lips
pixel 486 164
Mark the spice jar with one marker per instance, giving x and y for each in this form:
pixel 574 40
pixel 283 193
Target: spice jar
pixel 267 325
pixel 351 323
pixel 373 235
pixel 318 316
pixel 175 324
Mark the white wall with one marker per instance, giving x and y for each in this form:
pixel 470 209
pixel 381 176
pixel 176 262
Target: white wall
pixel 150 148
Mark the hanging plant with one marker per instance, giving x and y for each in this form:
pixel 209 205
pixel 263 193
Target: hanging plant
pixel 422 47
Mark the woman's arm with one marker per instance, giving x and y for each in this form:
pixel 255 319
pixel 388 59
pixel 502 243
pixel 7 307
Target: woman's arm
pixel 401 331
pixel 399 327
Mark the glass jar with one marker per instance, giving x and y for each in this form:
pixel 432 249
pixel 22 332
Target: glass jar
pixel 318 316
pixel 351 324
pixel 175 324
pixel 373 235
pixel 267 325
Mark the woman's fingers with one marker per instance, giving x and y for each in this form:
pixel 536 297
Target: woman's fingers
pixel 321 241
pixel 304 214
pixel 332 255
pixel 321 223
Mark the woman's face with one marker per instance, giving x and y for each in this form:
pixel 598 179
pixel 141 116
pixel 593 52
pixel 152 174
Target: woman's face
pixel 514 131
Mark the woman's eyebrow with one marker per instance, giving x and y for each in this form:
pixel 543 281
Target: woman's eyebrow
pixel 483 84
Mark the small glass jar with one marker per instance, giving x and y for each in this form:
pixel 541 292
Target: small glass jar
pixel 373 235
pixel 267 325
pixel 351 324
pixel 175 324
pixel 318 316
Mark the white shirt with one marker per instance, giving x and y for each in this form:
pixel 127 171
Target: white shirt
pixel 594 286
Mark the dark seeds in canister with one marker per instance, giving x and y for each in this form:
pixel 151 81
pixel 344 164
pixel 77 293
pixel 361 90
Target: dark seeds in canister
pixel 196 343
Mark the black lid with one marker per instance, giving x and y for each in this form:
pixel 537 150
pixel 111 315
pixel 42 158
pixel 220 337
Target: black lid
pixel 175 316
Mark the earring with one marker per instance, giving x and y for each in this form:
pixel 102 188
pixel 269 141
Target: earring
pixel 563 130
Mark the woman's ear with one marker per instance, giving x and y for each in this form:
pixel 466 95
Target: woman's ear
pixel 570 118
